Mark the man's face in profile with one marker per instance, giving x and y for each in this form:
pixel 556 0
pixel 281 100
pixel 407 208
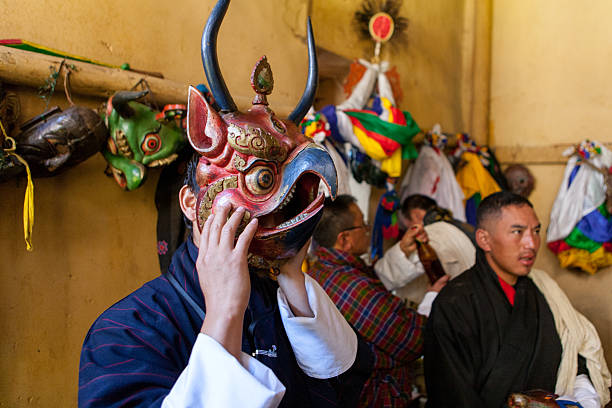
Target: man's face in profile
pixel 359 232
pixel 511 241
pixel 415 217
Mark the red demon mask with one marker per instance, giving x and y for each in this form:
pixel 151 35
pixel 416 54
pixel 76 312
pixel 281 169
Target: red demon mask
pixel 256 160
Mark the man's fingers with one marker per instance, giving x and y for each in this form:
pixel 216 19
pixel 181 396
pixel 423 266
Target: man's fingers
pixel 229 229
pixel 444 279
pixel 423 237
pixel 205 233
pixel 245 238
pixel 221 212
pixel 413 230
pixel 440 283
pixel 408 237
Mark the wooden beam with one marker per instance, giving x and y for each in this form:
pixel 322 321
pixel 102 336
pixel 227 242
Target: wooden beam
pixel 32 69
pixel 542 155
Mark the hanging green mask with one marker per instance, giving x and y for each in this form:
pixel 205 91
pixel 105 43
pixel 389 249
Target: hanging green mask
pixel 141 137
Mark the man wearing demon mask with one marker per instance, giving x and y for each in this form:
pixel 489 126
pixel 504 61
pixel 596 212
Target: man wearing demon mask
pixel 234 322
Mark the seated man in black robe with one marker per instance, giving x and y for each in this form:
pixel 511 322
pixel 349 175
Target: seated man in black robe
pixel 503 327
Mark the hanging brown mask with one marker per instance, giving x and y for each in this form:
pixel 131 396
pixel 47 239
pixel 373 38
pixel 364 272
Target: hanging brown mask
pixel 56 140
pixel 520 180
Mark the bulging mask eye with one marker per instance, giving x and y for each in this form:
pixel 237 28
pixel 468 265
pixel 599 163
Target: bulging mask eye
pixel 278 125
pixel 151 144
pixel 260 180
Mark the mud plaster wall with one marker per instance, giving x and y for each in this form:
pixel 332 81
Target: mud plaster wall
pixel 550 84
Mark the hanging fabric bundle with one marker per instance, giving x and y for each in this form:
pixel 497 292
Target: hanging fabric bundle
pixel 386 225
pixel 580 229
pixel 474 175
pixel 432 175
pixel 385 133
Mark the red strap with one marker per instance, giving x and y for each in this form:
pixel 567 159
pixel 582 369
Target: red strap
pixel 508 290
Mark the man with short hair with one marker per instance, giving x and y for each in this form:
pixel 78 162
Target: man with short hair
pixel 393 330
pixel 504 327
pixel 401 270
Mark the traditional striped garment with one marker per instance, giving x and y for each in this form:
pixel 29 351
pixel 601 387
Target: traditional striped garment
pixel 136 350
pixel 394 331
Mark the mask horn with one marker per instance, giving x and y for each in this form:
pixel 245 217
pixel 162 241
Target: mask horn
pixel 311 83
pixel 120 102
pixel 210 61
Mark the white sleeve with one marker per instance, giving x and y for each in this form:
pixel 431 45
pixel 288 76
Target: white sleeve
pixel 214 378
pixel 325 346
pixel 425 305
pixel 396 270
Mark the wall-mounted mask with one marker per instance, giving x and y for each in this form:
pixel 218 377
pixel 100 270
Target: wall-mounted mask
pixel 55 141
pixel 140 137
pixel 256 160
pixel 520 180
pixel 9 165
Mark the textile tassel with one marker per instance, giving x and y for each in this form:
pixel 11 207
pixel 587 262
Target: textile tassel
pixel 28 201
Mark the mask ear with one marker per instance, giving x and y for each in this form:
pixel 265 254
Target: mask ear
pixel 206 130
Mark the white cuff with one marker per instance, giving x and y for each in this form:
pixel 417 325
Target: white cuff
pixel 425 306
pixel 396 270
pixel 325 346
pixel 585 393
pixel 244 383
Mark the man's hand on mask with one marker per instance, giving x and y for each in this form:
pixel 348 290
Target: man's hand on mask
pixel 408 242
pixel 292 282
pixel 223 273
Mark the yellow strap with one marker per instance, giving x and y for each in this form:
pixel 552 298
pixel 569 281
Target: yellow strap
pixel 28 202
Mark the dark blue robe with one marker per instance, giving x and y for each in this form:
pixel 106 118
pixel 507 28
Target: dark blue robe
pixel 136 350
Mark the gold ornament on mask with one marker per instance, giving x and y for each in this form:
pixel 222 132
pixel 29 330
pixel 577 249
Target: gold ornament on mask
pixel 218 186
pixel 256 142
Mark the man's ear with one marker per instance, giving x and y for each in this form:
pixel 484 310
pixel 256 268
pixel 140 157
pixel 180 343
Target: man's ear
pixel 483 239
pixel 343 242
pixel 188 202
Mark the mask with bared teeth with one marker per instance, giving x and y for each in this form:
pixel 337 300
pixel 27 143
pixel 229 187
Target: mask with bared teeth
pixel 255 159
